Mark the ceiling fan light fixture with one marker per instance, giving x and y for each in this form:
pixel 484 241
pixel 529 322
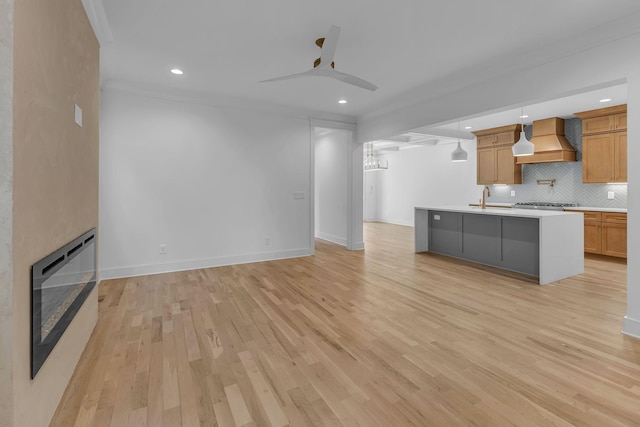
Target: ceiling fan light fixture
pixel 459 155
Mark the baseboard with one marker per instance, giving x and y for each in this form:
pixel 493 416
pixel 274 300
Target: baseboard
pixel 359 246
pixel 403 223
pixel 194 264
pixel 631 327
pixel 331 238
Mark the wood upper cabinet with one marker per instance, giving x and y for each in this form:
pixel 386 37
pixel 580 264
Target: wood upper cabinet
pixel 496 163
pixel 604 144
pixel 598 157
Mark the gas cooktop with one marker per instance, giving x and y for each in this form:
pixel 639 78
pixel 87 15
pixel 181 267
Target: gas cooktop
pixel 553 206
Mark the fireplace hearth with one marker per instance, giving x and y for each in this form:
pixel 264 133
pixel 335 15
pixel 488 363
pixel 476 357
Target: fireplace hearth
pixel 60 283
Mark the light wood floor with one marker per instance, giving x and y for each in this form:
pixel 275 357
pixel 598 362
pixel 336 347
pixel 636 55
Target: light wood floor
pixel 382 337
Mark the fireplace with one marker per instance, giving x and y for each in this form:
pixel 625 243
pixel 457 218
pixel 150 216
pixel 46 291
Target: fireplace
pixel 60 283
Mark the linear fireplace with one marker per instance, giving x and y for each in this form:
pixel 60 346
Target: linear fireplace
pixel 60 283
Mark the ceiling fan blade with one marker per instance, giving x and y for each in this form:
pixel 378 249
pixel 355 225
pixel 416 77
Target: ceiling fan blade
pixel 353 80
pixel 290 76
pixel 329 46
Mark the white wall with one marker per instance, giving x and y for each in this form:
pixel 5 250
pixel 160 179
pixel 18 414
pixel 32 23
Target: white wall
pixel 423 176
pixel 370 194
pixel 632 319
pixel 331 185
pixel 212 183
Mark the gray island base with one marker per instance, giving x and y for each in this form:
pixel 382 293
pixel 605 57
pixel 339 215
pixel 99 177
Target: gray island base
pixel 545 244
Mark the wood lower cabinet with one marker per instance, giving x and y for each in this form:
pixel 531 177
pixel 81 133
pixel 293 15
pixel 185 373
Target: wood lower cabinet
pixel 605 233
pixel 496 163
pixel 604 145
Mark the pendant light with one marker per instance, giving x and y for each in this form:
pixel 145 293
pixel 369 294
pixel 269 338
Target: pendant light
pixel 459 155
pixel 523 147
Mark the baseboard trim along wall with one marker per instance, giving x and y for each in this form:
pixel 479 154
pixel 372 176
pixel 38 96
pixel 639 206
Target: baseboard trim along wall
pixel 331 238
pixel 194 264
pixel 631 327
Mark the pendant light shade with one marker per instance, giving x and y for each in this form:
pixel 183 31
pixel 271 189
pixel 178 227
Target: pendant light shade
pixel 459 155
pixel 523 147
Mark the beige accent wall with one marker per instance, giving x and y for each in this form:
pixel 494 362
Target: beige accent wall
pixel 55 192
pixel 6 211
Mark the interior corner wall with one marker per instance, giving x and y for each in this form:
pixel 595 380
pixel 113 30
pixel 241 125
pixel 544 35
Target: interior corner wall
pixel 214 184
pixel 331 185
pixel 631 325
pixel 423 176
pixel 6 213
pixel 55 181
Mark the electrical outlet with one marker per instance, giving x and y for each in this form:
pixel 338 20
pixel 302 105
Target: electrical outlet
pixel 611 195
pixel 436 217
pixel 163 249
pixel 513 193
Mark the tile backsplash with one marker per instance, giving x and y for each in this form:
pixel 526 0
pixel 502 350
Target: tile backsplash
pixel 568 186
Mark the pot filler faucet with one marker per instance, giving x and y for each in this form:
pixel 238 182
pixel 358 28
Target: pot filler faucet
pixel 483 203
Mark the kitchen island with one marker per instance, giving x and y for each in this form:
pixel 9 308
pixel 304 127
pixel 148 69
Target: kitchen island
pixel 545 244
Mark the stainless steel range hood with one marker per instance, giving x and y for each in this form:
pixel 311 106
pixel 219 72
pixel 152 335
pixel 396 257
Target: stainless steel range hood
pixel 550 143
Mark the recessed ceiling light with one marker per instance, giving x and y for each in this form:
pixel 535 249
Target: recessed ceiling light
pixel 524 116
pixel 468 127
pixel 177 71
pixel 605 100
pixel 342 101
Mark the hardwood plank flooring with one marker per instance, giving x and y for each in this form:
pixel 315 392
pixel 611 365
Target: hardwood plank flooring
pixel 382 337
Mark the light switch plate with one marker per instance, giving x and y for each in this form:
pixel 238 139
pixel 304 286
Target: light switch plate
pixel 611 195
pixel 513 193
pixel 298 194
pixel 78 115
pixel 436 217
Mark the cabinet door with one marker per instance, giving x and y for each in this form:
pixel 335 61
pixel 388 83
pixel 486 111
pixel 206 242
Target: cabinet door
pixel 592 237
pixel 614 239
pixel 505 138
pixel 620 161
pixel 598 154
pixel 597 124
pixel 507 171
pixel 620 121
pixel 487 141
pixel 486 166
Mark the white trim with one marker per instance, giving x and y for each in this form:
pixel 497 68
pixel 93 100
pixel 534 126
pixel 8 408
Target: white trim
pixel 98 19
pixel 331 238
pixel 403 223
pixel 631 327
pixel 194 264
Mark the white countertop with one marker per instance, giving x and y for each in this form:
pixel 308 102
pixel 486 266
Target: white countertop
pixel 524 213
pixel 574 208
pixel 587 208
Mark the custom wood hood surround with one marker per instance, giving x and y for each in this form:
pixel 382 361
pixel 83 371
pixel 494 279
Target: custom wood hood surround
pixel 550 143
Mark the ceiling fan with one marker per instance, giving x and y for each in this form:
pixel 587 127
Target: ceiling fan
pixel 323 66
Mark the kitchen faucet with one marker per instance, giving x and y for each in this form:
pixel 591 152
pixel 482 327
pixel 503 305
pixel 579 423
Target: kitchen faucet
pixel 483 204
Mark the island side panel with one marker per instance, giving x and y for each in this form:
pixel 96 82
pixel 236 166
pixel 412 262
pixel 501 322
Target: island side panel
pixel 421 230
pixel 520 244
pixel 561 247
pixel 445 233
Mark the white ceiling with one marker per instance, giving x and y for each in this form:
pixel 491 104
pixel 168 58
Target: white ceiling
pixel 226 47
